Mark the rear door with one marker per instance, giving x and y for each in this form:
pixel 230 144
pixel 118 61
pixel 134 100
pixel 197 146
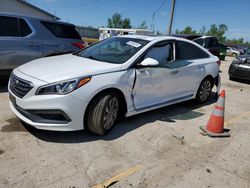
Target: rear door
pixel 18 43
pixel 189 66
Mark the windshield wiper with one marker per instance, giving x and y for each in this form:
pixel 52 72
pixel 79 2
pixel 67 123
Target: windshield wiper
pixel 94 58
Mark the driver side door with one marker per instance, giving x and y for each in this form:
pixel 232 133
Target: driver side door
pixel 155 85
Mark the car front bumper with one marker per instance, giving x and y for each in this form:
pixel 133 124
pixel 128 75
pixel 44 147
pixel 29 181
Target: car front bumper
pixel 48 112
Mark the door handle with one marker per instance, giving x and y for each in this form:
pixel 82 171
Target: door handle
pixel 174 72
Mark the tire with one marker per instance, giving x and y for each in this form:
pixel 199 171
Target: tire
pixel 204 90
pixel 103 113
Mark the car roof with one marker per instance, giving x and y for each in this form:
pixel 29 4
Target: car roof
pixel 34 18
pixel 154 37
pixel 205 37
pixel 187 36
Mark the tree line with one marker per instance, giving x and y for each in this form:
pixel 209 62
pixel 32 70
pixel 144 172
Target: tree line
pixel 116 21
pixel 214 30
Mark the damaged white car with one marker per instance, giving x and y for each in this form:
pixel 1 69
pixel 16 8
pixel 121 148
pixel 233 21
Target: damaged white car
pixel 119 76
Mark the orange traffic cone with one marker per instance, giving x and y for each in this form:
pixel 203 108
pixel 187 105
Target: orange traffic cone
pixel 215 125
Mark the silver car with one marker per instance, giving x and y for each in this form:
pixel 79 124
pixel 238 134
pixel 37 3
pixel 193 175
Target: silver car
pixel 23 39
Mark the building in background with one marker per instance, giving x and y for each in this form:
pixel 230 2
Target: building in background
pixel 21 7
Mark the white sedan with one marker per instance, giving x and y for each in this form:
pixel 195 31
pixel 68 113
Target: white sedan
pixel 119 76
pixel 232 52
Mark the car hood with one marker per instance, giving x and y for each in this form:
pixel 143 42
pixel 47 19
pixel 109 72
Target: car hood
pixel 62 67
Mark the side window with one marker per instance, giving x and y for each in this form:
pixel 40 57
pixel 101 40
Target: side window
pixel 62 30
pixel 200 42
pixel 213 42
pixel 162 52
pixel 9 26
pixel 24 28
pixel 187 51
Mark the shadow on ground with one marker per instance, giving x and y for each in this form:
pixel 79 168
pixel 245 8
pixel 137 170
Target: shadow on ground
pixel 181 111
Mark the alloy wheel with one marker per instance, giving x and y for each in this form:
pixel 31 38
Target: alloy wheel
pixel 110 113
pixel 205 90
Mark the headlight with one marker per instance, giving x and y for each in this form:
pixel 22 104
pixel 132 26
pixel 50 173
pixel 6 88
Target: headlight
pixel 62 88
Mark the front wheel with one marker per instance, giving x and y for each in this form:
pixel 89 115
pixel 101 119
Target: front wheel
pixel 103 113
pixel 204 90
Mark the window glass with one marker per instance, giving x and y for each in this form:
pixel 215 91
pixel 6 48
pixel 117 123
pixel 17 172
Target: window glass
pixel 9 26
pixel 24 27
pixel 113 50
pixel 186 51
pixel 162 52
pixel 62 30
pixel 213 42
pixel 200 42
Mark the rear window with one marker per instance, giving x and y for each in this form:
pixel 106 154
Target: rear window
pixel 14 27
pixel 187 51
pixel 199 41
pixel 24 28
pixel 62 30
pixel 213 43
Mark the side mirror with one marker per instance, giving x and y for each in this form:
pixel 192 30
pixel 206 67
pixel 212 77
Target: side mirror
pixel 149 62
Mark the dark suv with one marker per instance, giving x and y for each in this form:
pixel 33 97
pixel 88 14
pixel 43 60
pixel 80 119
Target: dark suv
pixel 210 43
pixel 23 39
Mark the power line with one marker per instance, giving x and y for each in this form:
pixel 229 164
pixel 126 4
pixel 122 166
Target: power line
pixel 155 12
pixel 163 2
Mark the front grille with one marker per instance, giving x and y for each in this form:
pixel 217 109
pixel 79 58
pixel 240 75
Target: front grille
pixel 20 87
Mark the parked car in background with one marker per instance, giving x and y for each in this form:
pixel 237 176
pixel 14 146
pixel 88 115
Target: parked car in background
pixel 210 43
pixel 223 51
pixel 23 39
pixel 240 67
pixel 121 75
pixel 232 52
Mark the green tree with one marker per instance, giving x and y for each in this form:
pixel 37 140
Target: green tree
pixel 177 31
pixel 203 30
pixel 187 30
pixel 126 23
pixel 218 31
pixel 116 21
pixel 143 25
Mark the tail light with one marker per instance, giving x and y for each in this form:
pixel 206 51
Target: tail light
pixel 218 62
pixel 78 44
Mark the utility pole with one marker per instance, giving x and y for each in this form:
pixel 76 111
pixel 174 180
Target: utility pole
pixel 171 18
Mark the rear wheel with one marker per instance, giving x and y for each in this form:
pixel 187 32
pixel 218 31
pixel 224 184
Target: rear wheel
pixel 103 112
pixel 204 90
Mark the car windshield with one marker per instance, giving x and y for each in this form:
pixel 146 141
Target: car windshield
pixel 114 50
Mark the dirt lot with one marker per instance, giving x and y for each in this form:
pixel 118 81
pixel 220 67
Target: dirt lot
pixel 143 151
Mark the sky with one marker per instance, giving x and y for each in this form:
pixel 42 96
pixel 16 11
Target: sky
pixel 196 13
